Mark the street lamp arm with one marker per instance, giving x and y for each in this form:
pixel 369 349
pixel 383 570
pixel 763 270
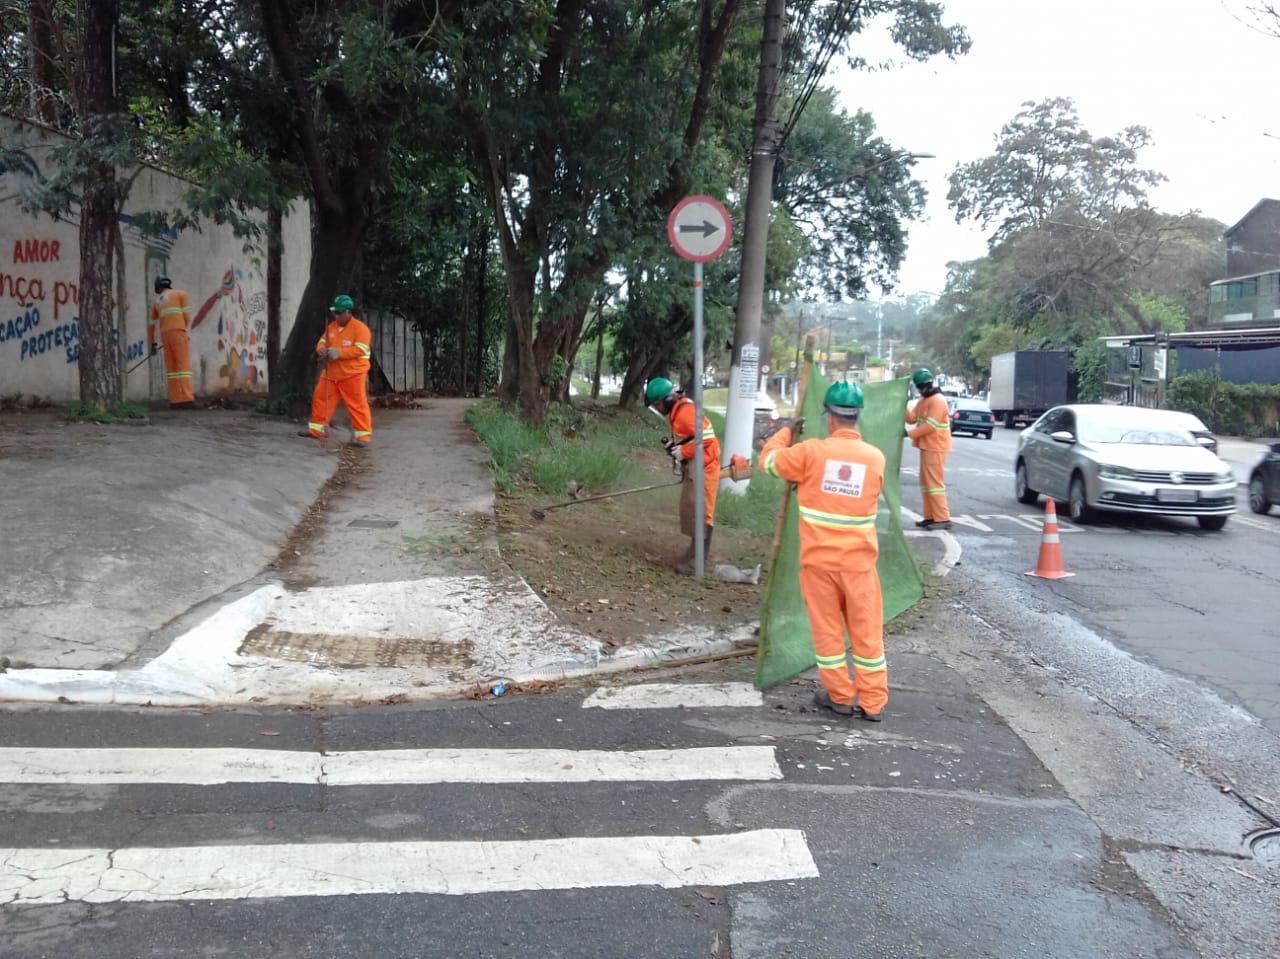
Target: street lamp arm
pixel 891 158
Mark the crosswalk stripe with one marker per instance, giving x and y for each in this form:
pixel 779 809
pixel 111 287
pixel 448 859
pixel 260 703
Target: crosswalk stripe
pixel 32 876
pixel 674 695
pixel 27 765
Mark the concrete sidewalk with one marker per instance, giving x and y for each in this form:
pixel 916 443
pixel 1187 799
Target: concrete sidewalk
pixel 214 557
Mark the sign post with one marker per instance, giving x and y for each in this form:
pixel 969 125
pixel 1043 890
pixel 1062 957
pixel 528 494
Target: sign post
pixel 699 230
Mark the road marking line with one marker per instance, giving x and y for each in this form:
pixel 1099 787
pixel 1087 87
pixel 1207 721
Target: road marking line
pixel 950 549
pixel 30 876
pixel 674 695
pixel 1256 523
pixel 964 519
pixel 384 767
pixel 550 765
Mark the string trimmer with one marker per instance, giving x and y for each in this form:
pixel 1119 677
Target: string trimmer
pixel 738 469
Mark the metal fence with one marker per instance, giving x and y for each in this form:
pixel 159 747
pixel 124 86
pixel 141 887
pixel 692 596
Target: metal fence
pixel 397 348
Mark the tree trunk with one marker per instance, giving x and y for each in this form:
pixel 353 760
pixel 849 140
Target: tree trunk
pixel 99 357
pixel 275 285
pixel 595 382
pixel 482 309
pixel 335 242
pixel 40 61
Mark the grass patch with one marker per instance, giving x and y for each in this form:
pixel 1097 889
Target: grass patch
pixel 597 447
pixel 588 444
pixel 757 511
pixel 82 411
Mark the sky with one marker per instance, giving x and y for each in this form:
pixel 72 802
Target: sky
pixel 1197 73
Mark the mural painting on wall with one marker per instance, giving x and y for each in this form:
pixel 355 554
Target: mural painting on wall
pixel 237 327
pixel 40 297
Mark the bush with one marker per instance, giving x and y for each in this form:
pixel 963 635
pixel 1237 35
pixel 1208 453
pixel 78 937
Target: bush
pixel 1243 409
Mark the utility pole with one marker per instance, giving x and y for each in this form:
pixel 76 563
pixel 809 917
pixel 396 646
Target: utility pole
pixel 744 373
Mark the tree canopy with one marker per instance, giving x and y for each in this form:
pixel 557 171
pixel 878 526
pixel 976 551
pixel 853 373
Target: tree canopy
pixel 1075 247
pixel 487 169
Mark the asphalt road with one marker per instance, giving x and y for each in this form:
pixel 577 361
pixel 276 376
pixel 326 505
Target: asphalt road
pixel 1202 605
pixel 763 830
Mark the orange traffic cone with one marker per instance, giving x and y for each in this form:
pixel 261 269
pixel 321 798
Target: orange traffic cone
pixel 1049 565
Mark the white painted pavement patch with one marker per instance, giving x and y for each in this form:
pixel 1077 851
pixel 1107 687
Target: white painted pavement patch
pixel 675 695
pixel 503 629
pixel 32 876
pixel 25 765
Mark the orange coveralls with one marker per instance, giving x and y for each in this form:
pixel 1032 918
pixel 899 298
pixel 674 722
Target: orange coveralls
pixel 345 379
pixel 168 320
pixel 932 437
pixel 838 482
pixel 681 420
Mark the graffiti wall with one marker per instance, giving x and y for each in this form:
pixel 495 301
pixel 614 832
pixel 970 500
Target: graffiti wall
pixel 39 285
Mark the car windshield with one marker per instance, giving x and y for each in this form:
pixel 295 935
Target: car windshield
pixel 1138 433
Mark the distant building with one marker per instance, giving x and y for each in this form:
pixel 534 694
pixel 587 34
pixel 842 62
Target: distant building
pixel 1251 291
pixel 1253 244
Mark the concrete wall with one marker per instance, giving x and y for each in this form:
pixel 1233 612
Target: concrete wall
pixel 39 286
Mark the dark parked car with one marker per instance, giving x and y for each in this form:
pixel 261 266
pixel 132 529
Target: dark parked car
pixel 1122 458
pixel 972 416
pixel 1264 481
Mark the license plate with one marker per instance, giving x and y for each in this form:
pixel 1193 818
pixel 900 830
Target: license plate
pixel 1176 495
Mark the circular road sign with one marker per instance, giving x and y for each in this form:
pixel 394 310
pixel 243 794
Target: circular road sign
pixel 699 228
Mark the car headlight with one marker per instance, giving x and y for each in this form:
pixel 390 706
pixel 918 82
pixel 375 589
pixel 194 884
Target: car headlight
pixel 1225 476
pixel 1107 471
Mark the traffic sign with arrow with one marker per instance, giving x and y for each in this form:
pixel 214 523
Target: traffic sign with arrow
pixel 699 228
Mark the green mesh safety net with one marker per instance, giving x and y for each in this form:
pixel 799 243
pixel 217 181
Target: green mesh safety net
pixel 785 648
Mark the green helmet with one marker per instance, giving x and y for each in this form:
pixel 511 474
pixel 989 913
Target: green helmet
pixel 843 399
pixel 659 388
pixel 342 302
pixel 163 283
pixel 921 376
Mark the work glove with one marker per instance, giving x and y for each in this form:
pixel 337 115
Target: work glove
pixel 673 450
pixel 797 426
pixel 332 352
pixel 155 348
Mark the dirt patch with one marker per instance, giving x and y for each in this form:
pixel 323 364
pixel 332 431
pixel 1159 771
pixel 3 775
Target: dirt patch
pixel 605 566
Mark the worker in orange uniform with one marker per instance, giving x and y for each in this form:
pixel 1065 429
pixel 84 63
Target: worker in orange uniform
pixel 168 326
pixel 662 395
pixel 838 481
pixel 345 352
pixel 932 437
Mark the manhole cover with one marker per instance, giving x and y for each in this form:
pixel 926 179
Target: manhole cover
pixel 374 523
pixel 355 652
pixel 1265 846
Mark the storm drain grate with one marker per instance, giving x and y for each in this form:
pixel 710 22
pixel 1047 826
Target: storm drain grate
pixel 374 523
pixel 354 652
